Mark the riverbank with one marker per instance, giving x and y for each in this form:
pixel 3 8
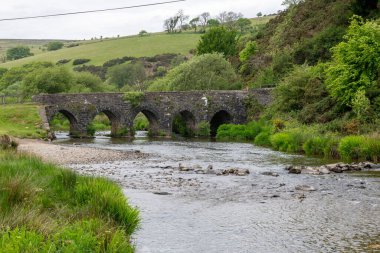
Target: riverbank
pixel 45 208
pixel 74 154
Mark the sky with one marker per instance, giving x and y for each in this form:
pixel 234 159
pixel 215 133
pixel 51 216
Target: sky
pixel 113 23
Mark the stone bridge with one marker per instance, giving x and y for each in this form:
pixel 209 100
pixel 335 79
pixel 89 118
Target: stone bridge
pixel 160 108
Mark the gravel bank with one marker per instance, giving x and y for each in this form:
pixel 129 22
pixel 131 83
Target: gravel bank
pixel 66 154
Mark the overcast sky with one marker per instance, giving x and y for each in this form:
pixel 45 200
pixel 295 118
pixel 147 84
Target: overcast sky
pixel 113 23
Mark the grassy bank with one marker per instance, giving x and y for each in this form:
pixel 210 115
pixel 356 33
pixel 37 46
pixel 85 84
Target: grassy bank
pixel 21 120
pixel 302 139
pixel 44 208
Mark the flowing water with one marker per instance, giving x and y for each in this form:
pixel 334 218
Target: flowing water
pixel 189 212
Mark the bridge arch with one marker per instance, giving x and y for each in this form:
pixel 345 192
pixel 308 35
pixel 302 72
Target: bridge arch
pixel 113 117
pixel 219 118
pixel 152 116
pixel 184 123
pixel 73 122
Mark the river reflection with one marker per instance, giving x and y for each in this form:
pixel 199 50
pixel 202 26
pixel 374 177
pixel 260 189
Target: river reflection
pixel 256 213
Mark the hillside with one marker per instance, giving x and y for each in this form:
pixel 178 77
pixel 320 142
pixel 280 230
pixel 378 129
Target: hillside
pixel 101 51
pixel 35 45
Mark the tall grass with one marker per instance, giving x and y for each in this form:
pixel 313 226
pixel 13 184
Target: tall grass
pixel 310 140
pixel 44 208
pixel 360 148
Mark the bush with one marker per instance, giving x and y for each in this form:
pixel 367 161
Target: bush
pixel 19 52
pixel 133 97
pixel 263 139
pixel 141 123
pixel 203 129
pixel 315 146
pixel 54 45
pixel 80 61
pixel 63 61
pixel 205 72
pixel 240 132
pixel 291 140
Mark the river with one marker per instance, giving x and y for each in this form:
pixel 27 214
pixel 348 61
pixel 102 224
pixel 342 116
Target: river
pixel 189 212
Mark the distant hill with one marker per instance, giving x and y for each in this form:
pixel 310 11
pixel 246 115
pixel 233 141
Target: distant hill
pixel 100 51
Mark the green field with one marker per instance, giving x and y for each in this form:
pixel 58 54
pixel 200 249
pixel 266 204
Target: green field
pixel 21 120
pixel 36 46
pixel 101 51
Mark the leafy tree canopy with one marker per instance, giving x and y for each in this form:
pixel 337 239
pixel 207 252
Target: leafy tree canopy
pixel 48 80
pixel 131 74
pixel 356 61
pixel 204 72
pixel 218 40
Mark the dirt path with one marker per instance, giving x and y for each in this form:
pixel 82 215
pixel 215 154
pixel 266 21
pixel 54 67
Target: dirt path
pixel 66 154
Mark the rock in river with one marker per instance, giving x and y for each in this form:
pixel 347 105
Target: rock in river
pixel 305 188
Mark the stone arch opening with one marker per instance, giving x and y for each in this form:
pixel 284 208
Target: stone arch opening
pixel 219 118
pixel 153 125
pixel 64 121
pixel 184 124
pixel 105 121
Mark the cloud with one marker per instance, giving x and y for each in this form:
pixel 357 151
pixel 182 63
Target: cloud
pixel 109 24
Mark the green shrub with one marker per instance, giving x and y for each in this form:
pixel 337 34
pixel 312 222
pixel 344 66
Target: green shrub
pixel 80 61
pixel 133 97
pixel 350 147
pixel 291 140
pixel 54 45
pixel 91 129
pixel 263 139
pixel 315 146
pixel 140 123
pixel 203 129
pixel 203 72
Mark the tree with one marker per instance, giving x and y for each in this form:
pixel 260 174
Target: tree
pixel 131 74
pixel 356 61
pixel 18 52
pixel 203 19
pixel 54 45
pixel 142 33
pixel 213 23
pixel 181 18
pixel 218 40
pixel 222 17
pixel 170 24
pixel 243 24
pixel 204 72
pixel 259 14
pixel 194 23
pixel 48 80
